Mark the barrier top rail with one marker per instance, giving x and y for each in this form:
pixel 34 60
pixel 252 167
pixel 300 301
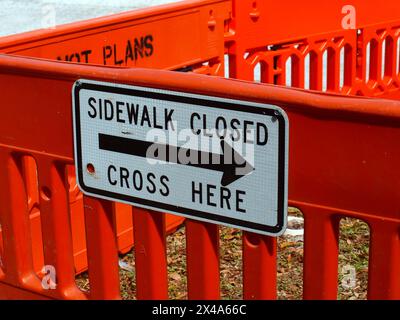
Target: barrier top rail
pixel 328 105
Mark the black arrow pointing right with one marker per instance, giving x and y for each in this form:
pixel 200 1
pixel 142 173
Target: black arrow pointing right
pixel 235 168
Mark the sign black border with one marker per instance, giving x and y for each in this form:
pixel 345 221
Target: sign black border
pixel 79 85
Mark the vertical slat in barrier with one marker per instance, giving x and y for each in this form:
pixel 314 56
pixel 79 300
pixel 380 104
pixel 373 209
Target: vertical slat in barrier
pixel 333 70
pixel 56 225
pixel 316 70
pixel 376 60
pixel 281 70
pixel 393 56
pixel 259 252
pixel 17 252
pixel 321 249
pixel 361 72
pixel 101 249
pixel 297 71
pixel 150 255
pixel 259 267
pixel 202 252
pixel 240 68
pixel 384 262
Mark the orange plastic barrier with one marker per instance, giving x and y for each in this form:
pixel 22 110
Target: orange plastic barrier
pixel 344 151
pixel 303 44
pixel 126 40
pixel 308 38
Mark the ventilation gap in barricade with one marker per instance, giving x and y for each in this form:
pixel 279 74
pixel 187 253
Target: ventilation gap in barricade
pixel 353 259
pixel 398 57
pixel 30 175
pixel 383 61
pixel 367 61
pixel 231 263
pixel 290 258
pixel 176 261
pixel 260 72
pixel 289 72
pixel 307 72
pixel 342 68
pixel 226 66
pixel 325 71
pixel 257 72
pixel 82 282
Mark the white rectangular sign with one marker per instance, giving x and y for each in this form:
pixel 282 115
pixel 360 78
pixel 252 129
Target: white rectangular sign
pixel 211 159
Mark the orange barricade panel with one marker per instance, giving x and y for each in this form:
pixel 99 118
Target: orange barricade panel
pixel 323 55
pixel 153 38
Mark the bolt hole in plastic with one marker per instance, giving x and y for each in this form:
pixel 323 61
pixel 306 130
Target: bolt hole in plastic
pixel 90 168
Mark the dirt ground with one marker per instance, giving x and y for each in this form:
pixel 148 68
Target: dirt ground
pixel 353 257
